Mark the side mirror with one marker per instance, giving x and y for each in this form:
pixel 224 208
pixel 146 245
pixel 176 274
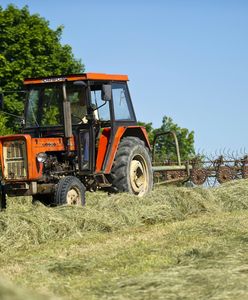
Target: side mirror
pixel 106 92
pixel 1 101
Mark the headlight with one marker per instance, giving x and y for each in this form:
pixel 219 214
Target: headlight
pixel 42 157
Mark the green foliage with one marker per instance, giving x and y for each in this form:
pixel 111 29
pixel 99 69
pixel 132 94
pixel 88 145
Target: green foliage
pixel 29 48
pixel 4 130
pixel 165 148
pixel 50 115
pixel 166 144
pixel 149 130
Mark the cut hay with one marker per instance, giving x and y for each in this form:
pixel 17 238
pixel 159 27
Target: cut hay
pixel 10 292
pixel 175 243
pixel 24 225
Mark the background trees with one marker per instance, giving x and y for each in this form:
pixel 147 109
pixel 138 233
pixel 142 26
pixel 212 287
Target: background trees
pixel 29 48
pixel 165 146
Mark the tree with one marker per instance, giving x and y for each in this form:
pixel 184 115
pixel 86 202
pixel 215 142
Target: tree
pixel 165 149
pixel 149 130
pixel 29 48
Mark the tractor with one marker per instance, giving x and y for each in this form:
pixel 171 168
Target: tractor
pixel 79 133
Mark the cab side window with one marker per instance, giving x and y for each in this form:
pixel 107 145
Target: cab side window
pixel 121 101
pixel 103 112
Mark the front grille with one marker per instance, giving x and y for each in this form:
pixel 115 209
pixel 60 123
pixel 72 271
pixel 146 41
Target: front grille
pixel 15 159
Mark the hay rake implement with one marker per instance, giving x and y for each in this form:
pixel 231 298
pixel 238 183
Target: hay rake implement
pixel 201 169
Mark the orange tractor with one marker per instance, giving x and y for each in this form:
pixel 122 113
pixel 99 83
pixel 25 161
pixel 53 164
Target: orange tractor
pixel 79 133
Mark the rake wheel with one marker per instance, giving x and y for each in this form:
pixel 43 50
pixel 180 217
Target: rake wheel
pixel 224 174
pixel 198 176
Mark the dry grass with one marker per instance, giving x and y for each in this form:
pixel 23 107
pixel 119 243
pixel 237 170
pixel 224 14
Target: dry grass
pixel 176 243
pixel 10 292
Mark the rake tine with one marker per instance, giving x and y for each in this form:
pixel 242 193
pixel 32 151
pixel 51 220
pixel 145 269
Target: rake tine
pixel 237 155
pixel 232 155
pixel 241 152
pixel 213 156
pixel 229 154
pixel 245 152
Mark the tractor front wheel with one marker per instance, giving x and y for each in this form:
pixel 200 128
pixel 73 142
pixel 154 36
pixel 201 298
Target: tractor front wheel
pixel 132 169
pixel 69 191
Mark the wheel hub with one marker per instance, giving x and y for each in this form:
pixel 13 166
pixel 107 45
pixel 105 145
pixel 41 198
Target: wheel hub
pixel 73 197
pixel 138 177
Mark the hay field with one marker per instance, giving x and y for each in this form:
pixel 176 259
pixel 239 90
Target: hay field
pixel 176 243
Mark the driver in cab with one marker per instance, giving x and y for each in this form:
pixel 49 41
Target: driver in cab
pixel 78 106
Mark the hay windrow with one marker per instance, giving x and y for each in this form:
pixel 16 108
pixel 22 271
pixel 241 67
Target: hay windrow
pixel 10 292
pixel 23 224
pixel 232 195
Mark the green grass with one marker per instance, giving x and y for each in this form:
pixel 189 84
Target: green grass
pixel 176 243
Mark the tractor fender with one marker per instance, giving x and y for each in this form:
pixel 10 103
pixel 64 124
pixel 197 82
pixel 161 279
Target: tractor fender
pixel 108 146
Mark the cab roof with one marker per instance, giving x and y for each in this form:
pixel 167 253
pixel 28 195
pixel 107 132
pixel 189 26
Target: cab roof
pixel 74 77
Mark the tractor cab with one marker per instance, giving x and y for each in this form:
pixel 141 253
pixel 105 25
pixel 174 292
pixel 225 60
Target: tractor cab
pixel 78 106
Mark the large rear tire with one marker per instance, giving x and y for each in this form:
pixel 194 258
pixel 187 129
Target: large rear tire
pixel 132 168
pixel 69 191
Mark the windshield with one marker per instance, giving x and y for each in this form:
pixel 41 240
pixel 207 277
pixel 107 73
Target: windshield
pixel 45 105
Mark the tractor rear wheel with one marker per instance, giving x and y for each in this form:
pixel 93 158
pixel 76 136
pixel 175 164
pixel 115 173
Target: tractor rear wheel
pixel 132 168
pixel 69 191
